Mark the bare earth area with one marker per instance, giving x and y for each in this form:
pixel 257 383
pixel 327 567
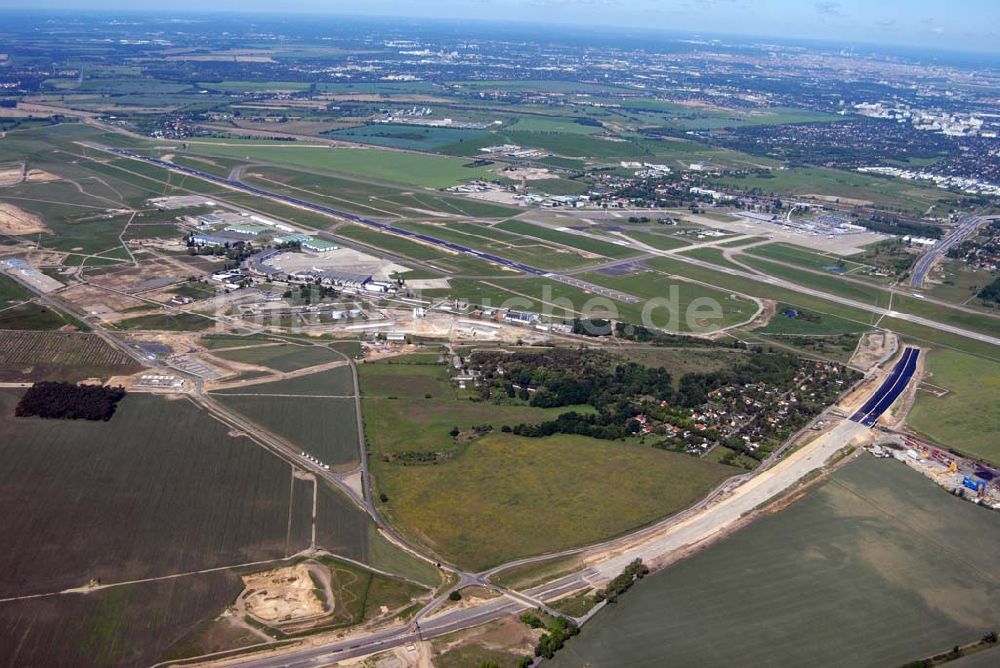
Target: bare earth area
pixel 16 221
pixel 282 595
pixel 873 348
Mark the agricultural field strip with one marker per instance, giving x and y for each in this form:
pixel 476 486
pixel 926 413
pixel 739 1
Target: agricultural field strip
pixel 300 396
pixel 158 578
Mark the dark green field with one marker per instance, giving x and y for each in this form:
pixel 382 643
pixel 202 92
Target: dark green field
pixel 133 625
pixel 31 316
pixel 183 495
pixel 325 428
pixel 336 382
pixel 878 567
pixel 170 475
pixel 183 322
pixel 68 356
pixel 406 136
pixel 280 356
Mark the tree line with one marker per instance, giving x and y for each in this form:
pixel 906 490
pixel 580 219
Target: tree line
pixel 67 401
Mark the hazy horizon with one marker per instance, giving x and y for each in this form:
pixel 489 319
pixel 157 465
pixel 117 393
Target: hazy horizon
pixel 892 23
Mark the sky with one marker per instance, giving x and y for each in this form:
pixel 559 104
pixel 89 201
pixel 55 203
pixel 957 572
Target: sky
pixel 972 25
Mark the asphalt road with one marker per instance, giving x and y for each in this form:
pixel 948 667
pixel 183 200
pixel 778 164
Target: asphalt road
pixel 967 225
pixel 891 388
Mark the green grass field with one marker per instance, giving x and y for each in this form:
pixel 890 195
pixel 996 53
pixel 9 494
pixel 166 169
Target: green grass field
pixel 870 294
pixel 713 255
pixel 804 258
pixel 444 261
pixel 12 292
pixel 673 315
pixel 414 137
pixel 369 199
pixel 819 305
pixel 504 244
pixel 965 419
pixel 809 324
pixel 567 239
pixel 413 169
pixel 506 497
pixel 885 192
pixel 493 498
pixel 877 567
pixel 736 243
pixel 660 241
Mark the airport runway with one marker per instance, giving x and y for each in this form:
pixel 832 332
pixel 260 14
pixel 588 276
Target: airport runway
pixel 534 271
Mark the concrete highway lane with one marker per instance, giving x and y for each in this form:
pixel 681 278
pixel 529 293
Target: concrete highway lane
pixel 890 389
pixel 967 226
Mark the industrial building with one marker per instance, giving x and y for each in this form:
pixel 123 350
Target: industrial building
pixel 292 239
pixel 209 219
pixel 245 228
pixel 223 238
pixel 319 245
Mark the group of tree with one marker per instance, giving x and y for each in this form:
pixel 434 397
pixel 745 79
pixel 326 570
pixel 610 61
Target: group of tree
pixel 658 337
pixel 991 292
pixel 606 425
pixel 635 571
pixel 67 401
pixel 561 377
pixel 617 390
pixel 771 368
pixel 559 631
pixel 892 225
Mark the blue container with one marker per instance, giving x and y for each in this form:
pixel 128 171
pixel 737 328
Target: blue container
pixel 972 483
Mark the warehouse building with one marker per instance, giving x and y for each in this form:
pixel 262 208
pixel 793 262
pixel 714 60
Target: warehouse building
pixel 224 238
pixel 245 228
pixel 319 245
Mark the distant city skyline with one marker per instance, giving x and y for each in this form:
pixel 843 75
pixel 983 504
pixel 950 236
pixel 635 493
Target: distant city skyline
pixel 969 25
